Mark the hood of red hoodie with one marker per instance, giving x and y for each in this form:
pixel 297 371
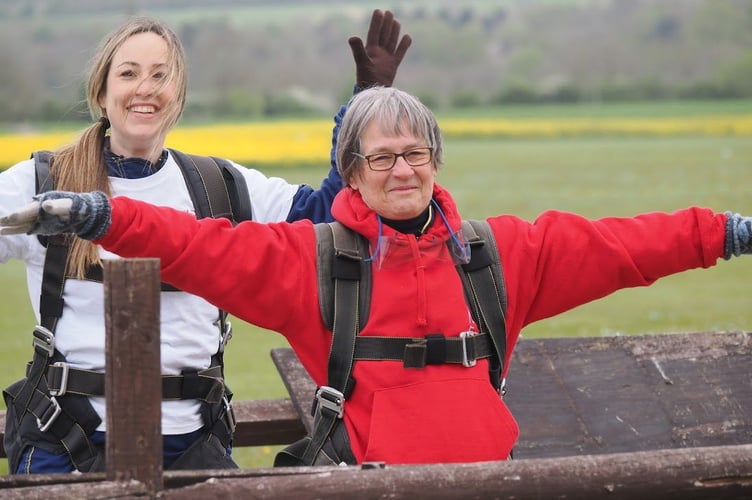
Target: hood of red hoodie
pixel 350 209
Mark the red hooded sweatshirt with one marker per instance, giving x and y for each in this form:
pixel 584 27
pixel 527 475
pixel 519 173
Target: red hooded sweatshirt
pixel 439 413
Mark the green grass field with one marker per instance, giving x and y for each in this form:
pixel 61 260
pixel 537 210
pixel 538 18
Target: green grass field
pixel 592 176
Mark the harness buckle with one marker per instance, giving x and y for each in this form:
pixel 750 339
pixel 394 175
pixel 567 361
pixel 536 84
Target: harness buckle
pixel 56 411
pixel 466 361
pixel 63 379
pixel 224 336
pixel 331 399
pixel 44 339
pixel 229 414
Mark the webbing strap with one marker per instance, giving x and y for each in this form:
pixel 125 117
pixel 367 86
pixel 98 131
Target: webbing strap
pixel 485 290
pixel 345 271
pixel 344 298
pixel 205 385
pixel 55 420
pixel 53 281
pixel 33 397
pixel 419 352
pixel 204 175
pixel 210 194
pixel 42 167
pixel 217 190
pixel 329 409
pixel 50 310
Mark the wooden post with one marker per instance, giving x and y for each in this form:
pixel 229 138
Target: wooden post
pixel 133 372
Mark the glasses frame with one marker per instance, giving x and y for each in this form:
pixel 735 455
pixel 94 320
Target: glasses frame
pixel 367 158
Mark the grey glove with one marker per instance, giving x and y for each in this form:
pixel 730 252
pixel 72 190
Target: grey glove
pixel 738 235
pixel 58 212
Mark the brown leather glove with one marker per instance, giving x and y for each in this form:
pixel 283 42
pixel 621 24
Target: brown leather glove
pixel 377 62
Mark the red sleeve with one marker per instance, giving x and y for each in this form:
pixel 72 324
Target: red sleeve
pixel 262 273
pixel 563 260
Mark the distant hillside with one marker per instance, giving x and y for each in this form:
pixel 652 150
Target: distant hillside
pixel 251 58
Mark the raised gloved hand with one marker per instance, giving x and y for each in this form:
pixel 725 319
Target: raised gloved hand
pixel 377 62
pixel 57 212
pixel 738 235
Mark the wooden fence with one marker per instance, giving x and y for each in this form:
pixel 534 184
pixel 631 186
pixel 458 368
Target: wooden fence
pixel 655 416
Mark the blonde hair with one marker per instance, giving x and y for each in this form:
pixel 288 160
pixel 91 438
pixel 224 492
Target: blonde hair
pixel 80 166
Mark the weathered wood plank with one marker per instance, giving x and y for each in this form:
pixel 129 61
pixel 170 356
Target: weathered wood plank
pixel 681 474
pixel 299 384
pixel 260 422
pixel 266 422
pixel 582 396
pixel 660 398
pixel 723 472
pixel 132 360
pixel 621 394
pixel 79 490
pixel 697 378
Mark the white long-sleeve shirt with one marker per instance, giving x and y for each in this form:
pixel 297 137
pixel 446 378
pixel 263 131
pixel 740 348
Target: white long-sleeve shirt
pixel 188 336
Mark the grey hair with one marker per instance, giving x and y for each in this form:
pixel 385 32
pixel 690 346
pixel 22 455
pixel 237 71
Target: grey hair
pixel 397 111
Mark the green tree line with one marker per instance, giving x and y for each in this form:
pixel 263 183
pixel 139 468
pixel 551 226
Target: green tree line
pixel 260 59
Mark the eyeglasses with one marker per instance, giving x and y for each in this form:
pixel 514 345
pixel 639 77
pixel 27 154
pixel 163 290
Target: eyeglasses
pixel 385 161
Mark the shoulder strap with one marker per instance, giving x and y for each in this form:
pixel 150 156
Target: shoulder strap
pixel 485 291
pixel 56 257
pixel 344 286
pixel 42 164
pixel 344 282
pixel 344 294
pixel 216 188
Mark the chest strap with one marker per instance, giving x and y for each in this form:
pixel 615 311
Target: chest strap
pixel 434 349
pixel 205 385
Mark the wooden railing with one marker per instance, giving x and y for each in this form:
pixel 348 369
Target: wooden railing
pixel 653 416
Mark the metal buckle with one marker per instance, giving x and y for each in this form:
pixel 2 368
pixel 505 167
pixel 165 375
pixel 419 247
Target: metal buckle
pixel 467 362
pixel 63 379
pixel 330 398
pixel 55 413
pixel 44 339
pixel 224 336
pixel 229 414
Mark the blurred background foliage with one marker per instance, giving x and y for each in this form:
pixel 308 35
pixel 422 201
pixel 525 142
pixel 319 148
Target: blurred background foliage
pixel 255 59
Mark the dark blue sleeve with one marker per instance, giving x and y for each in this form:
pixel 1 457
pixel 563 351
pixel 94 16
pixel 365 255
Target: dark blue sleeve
pixel 315 205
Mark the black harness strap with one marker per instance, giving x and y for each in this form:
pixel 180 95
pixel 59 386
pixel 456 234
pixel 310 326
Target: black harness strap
pixel 344 298
pixel 42 166
pixel 206 174
pixel 346 269
pixel 432 350
pixel 217 190
pixel 485 292
pixel 33 396
pixel 348 272
pixel 344 289
pixel 204 385
pixel 207 177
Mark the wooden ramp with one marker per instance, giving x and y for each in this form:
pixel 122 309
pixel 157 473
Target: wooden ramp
pixel 581 396
pixel 655 416
pixel 586 396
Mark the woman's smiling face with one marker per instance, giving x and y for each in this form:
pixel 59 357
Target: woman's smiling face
pixel 402 192
pixel 137 97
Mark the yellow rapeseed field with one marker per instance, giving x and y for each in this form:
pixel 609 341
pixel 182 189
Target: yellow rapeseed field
pixel 308 141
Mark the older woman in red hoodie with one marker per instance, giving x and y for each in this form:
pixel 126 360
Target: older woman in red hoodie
pixel 389 153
